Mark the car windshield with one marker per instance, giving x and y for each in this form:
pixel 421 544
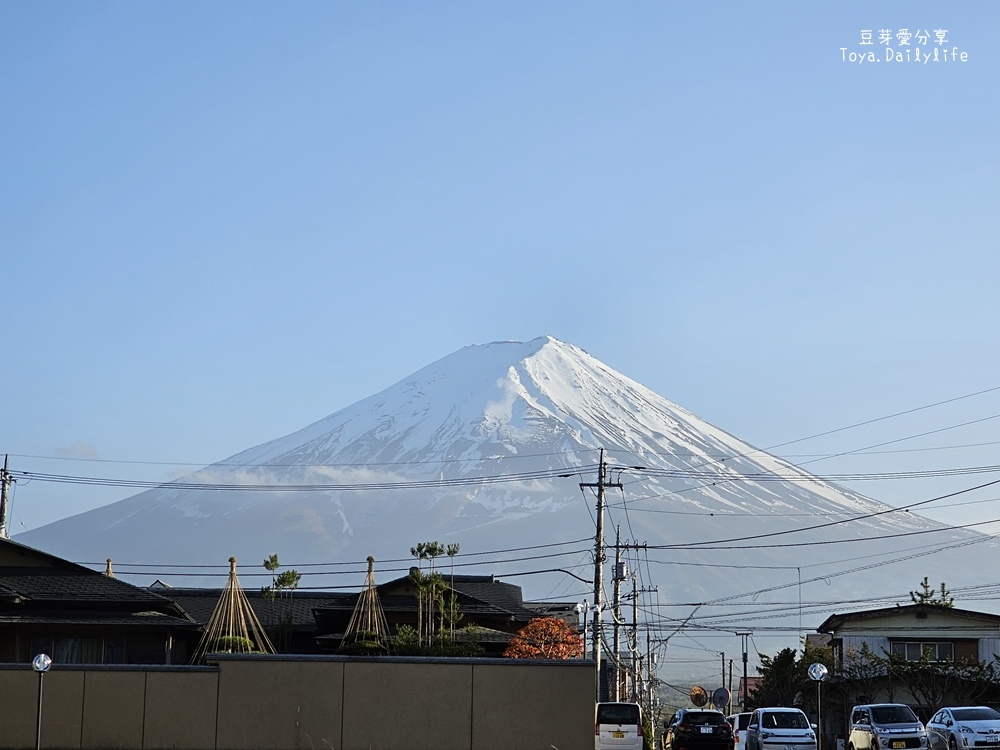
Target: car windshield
pixel 893 715
pixel 617 713
pixel 784 720
pixel 700 718
pixel 975 714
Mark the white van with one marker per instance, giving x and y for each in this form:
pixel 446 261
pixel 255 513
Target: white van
pixel 618 726
pixel 739 723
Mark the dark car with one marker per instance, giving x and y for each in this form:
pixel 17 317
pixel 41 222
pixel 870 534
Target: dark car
pixel 697 729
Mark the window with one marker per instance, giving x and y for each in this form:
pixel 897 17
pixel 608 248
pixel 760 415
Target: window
pixel 785 720
pixel 917 650
pixel 80 650
pixel 975 714
pixel 618 713
pixel 895 713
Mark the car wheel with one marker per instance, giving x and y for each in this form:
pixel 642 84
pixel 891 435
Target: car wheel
pixel 952 745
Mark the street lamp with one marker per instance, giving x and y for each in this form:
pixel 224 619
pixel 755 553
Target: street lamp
pixel 40 664
pixel 818 673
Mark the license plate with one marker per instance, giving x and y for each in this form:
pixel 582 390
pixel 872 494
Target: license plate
pixel 993 738
pixel 706 730
pixel 898 744
pixel 618 735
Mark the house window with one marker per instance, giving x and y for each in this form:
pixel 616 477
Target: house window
pixel 81 650
pixel 918 650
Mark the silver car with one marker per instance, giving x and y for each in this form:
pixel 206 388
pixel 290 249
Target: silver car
pixel 885 726
pixel 964 728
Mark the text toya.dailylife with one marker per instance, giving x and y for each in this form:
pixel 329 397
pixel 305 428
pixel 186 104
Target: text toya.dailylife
pixel 907 55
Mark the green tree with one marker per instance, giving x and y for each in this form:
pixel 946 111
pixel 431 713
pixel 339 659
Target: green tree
pixel 282 583
pixel 785 677
pixel 781 680
pixel 929 596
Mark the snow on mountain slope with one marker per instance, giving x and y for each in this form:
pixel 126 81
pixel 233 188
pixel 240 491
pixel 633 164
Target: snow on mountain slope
pixel 496 410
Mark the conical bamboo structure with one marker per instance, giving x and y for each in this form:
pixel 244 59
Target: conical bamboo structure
pixel 233 627
pixel 367 629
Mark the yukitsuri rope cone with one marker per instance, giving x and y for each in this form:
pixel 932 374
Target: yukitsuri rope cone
pixel 367 630
pixel 233 627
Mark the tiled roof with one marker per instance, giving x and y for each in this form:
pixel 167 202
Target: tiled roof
pixel 138 620
pixel 50 586
pixel 201 603
pixel 484 595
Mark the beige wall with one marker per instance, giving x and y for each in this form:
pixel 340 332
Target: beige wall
pixel 305 703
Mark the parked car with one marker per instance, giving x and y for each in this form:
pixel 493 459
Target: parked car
pixel 962 727
pixel 618 726
pixel 697 729
pixel 779 729
pixel 739 724
pixel 885 726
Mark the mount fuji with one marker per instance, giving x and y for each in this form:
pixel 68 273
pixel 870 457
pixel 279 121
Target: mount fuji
pixel 488 448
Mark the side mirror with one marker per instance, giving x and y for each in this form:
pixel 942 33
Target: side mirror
pixel 814 727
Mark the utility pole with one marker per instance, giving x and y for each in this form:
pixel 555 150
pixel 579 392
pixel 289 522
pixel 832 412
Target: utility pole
pixel 636 661
pixel 599 559
pixel 743 692
pixel 723 655
pixel 5 481
pixel 616 614
pixel 730 685
pixel 650 681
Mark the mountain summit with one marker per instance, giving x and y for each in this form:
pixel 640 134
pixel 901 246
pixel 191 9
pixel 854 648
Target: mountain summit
pixel 487 447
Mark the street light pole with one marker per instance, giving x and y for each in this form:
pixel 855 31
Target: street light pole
pixel 40 664
pixel 818 673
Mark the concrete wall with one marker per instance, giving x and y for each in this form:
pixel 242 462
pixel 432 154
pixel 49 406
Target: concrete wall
pixel 304 703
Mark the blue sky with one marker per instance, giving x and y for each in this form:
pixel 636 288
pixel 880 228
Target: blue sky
pixel 221 222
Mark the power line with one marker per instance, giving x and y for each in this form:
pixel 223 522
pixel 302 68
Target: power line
pixel 874 514
pixel 563 473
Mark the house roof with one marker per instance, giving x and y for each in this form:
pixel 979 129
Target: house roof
pixel 31 580
pixel 49 586
pixel 199 604
pixel 837 621
pixel 134 620
pixel 477 594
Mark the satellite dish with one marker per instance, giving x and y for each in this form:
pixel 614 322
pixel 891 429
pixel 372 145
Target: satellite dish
pixel 698 696
pixel 720 698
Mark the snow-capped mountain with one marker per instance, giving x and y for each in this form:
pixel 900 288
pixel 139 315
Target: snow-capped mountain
pixel 487 447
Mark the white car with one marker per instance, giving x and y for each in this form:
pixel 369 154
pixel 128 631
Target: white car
pixel 739 723
pixel 963 728
pixel 780 729
pixel 618 726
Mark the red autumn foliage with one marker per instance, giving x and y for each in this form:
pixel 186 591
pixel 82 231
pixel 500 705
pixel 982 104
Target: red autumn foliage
pixel 545 638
